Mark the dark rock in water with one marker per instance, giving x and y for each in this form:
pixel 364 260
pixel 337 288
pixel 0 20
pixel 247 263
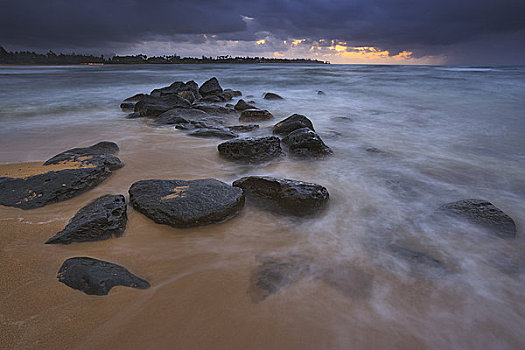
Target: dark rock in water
pixel 151 106
pixel 193 87
pixel 241 105
pixel 187 95
pixel 291 196
pixel 210 87
pixel 293 122
pixel 99 154
pixel 127 106
pixel 182 204
pixel 97 277
pixel 306 143
pixel 177 88
pixel 483 213
pixel 272 96
pixel 99 220
pixel 211 99
pixel 233 93
pixel 218 133
pixel 215 109
pixel 135 98
pixel 51 187
pixel 374 150
pixel 416 259
pixel 254 115
pixel 134 115
pixel 251 150
pixel 180 115
pixel 276 273
pixel 225 96
pixel 320 92
pixel 243 128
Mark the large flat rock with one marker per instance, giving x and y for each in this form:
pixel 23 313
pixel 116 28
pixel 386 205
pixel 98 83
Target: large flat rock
pixel 100 154
pixel 97 277
pixel 251 150
pixel 51 187
pixel 99 220
pixel 182 204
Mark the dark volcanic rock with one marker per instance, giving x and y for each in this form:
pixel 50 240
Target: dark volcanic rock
pixel 218 133
pixel 276 273
pixel 182 204
pixel 241 105
pixel 320 92
pixel 291 196
pixel 51 187
pixel 272 96
pixel 251 150
pixel 152 106
pixel 97 277
pixel 483 213
pixel 99 220
pixel 180 115
pixel 135 98
pixel 306 143
pixel 134 115
pixel 99 154
pixel 216 109
pixel 210 87
pixel 234 93
pixel 187 95
pixel 293 122
pixel 243 128
pixel 254 115
pixel 211 99
pixel 127 106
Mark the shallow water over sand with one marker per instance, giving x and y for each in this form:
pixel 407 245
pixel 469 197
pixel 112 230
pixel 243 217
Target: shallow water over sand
pixel 445 134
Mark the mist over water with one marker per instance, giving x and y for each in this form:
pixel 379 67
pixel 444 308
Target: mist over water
pixel 406 140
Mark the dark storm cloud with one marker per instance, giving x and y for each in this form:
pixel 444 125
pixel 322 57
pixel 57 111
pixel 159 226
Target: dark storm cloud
pixel 425 27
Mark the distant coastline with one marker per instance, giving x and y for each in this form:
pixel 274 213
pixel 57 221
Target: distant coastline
pixel 52 59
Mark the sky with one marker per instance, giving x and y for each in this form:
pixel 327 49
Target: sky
pixel 455 32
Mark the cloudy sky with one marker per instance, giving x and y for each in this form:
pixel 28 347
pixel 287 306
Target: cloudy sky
pixel 473 32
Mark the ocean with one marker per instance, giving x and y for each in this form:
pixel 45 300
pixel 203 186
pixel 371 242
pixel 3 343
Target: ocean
pixel 406 140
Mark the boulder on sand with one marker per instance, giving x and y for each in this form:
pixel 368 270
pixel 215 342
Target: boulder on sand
pixel 483 213
pixel 292 123
pixel 306 143
pixel 51 187
pixel 182 204
pixel 99 220
pixel 99 154
pixel 97 277
pixel 251 150
pixel 290 196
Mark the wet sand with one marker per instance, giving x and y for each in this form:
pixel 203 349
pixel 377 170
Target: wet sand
pixel 200 276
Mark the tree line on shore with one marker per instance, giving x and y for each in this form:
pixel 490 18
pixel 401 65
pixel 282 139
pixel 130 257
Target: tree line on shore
pixel 52 58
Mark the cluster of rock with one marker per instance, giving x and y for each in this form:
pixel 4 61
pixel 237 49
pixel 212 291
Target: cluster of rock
pixel 183 204
pixel 197 110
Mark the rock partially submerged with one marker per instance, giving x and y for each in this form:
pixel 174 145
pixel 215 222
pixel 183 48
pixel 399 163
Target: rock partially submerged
pixel 216 109
pixel 224 134
pixel 483 213
pixel 99 154
pixel 210 87
pixel 251 150
pixel 97 277
pixel 254 115
pixel 182 204
pixel 272 96
pixel 153 106
pixel 419 262
pixel 99 220
pixel 51 187
pixel 241 105
pixel 185 116
pixel 243 128
pixel 292 123
pixel 291 196
pixel 306 143
pixel 276 273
